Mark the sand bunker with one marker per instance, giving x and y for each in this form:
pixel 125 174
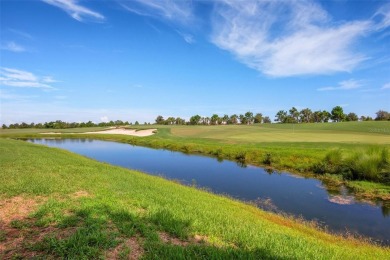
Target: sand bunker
pixel 119 131
pixel 122 131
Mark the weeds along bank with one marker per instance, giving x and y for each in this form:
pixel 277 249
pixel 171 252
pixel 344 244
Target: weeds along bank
pixel 80 208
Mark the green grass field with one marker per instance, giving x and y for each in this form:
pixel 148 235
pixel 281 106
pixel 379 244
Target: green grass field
pixel 299 148
pixel 55 204
pixel 348 132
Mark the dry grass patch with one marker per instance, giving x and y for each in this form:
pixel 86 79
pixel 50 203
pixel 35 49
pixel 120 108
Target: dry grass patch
pixel 80 194
pixel 130 248
pixel 169 239
pixel 17 208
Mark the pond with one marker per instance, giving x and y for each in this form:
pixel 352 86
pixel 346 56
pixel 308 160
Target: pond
pixel 280 192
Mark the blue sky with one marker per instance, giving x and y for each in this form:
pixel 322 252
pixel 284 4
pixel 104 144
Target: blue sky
pixel 133 60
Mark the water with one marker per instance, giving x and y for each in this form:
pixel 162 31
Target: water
pixel 288 193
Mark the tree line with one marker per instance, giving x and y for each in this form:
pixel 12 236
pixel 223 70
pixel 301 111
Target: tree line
pixel 61 124
pixel 291 116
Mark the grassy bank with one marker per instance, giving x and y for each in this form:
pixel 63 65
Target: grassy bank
pixel 300 148
pixel 58 204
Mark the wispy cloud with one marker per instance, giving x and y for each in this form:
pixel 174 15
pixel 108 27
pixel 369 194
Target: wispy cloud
pixel 48 79
pixel 383 14
pixel 21 33
pixel 188 38
pixel 4 95
pixel 177 11
pixel 23 79
pixel 286 38
pixel 386 86
pixel 12 46
pixel 344 85
pixel 75 10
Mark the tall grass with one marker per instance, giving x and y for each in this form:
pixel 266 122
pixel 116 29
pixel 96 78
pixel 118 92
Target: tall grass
pixel 371 164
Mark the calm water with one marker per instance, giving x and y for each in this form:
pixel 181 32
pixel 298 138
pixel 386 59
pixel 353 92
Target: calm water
pixel 279 192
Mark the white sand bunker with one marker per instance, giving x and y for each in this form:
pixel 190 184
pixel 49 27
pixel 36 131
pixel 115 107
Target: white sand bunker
pixel 121 131
pixel 116 131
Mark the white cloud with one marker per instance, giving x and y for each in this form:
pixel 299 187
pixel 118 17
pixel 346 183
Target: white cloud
pixel 188 38
pixel 12 46
pixel 350 84
pixel 48 79
pixel 286 38
pixel 344 85
pixel 383 14
pixel 24 79
pixel 104 119
pixel 178 11
pixel 75 10
pixel 386 86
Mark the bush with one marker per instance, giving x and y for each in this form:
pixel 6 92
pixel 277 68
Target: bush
pixel 241 157
pixel 267 159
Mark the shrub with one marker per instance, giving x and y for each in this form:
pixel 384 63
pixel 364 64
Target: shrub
pixel 241 157
pixel 267 159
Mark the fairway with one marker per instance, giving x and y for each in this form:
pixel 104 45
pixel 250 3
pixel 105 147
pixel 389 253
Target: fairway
pixel 347 132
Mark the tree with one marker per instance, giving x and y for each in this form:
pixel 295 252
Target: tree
pixel 136 123
pixel 365 118
pixel 89 124
pixel 214 119
pixel 294 114
pixel 306 115
pixel 119 122
pixel 160 120
pixel 225 119
pixel 317 116
pixel 325 116
pixel 194 120
pixel 233 119
pixel 242 119
pixel 352 117
pixel 258 118
pixel 169 121
pixel 338 114
pixel 180 121
pixel 4 126
pixel 249 117
pixel 266 120
pixel 382 115
pixel 281 116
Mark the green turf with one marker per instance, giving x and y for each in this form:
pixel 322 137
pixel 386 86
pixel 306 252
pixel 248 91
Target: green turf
pixel 88 209
pixel 294 147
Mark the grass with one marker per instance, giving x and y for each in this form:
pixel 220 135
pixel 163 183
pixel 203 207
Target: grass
pixel 300 148
pixel 87 209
